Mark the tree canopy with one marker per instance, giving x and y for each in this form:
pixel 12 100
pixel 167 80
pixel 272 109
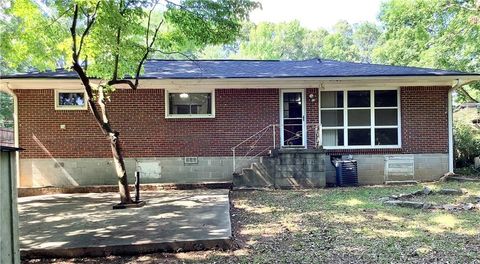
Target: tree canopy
pixel 37 34
pixel 432 33
pixel 110 40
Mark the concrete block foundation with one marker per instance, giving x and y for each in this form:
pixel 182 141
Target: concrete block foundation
pixel 371 168
pixel 100 171
pixel 310 170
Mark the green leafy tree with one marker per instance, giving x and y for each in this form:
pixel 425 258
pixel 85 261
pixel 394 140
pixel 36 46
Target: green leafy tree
pixel 291 41
pixel 110 40
pixel 339 44
pixel 312 43
pixel 273 41
pixel 365 38
pixel 432 33
pixel 6 110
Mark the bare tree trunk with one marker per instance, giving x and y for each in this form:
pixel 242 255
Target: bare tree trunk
pixel 120 169
pixel 116 148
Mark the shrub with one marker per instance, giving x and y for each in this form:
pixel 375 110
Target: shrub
pixel 467 143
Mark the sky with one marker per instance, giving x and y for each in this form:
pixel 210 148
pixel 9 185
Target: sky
pixel 314 14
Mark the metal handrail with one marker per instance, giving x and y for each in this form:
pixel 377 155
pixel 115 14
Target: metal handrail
pixel 250 155
pixel 265 128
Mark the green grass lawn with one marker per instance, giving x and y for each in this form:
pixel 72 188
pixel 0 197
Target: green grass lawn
pixel 347 225
pixel 340 225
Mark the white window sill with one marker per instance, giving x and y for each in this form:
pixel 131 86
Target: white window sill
pixel 188 116
pixel 361 147
pixel 70 108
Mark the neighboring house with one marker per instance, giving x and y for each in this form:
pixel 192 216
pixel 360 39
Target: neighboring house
pixel 182 123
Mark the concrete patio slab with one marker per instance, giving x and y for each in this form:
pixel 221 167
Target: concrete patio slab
pixel 74 225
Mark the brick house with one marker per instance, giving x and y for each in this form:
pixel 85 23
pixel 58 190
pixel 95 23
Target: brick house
pixel 200 121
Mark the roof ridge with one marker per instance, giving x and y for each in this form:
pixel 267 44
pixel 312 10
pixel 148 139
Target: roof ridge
pixel 213 60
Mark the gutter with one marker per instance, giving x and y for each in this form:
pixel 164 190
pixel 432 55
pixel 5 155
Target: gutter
pixel 458 83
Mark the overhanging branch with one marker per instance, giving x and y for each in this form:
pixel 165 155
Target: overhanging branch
pixel 89 26
pixel 467 94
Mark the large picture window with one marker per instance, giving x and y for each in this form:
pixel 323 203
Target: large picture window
pixel 360 118
pixel 70 100
pixel 189 104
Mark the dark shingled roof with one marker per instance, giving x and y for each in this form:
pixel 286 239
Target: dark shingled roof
pixel 219 69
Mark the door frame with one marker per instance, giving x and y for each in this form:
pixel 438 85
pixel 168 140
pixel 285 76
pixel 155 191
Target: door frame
pixel 304 118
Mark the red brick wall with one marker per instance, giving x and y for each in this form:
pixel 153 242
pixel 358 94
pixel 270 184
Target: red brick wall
pixel 424 119
pixel 312 115
pixel 140 118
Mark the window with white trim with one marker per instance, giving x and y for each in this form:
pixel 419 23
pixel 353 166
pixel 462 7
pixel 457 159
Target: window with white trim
pixel 360 118
pixel 70 100
pixel 189 104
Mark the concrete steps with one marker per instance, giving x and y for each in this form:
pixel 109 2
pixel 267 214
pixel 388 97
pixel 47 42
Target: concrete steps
pixel 289 168
pixel 255 176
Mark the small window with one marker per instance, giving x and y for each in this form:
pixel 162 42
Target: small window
pixel 190 105
pixel 70 100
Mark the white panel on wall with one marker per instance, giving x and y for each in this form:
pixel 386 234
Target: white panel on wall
pixel 149 169
pixel 399 167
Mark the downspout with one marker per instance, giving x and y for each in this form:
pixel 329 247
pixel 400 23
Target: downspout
pixel 458 83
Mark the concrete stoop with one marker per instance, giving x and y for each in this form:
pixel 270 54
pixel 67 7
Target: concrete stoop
pixel 285 168
pixel 84 225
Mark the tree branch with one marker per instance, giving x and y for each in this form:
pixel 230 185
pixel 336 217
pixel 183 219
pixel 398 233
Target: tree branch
pixel 89 26
pixel 147 51
pixel 467 94
pixel 148 23
pixel 188 57
pixel 83 77
pixel 73 29
pixel 134 84
pixel 117 55
pixel 123 81
pixel 58 18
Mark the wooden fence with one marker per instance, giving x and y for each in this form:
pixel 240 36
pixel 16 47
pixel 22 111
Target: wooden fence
pixel 7 137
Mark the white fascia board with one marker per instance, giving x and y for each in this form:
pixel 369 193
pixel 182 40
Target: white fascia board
pixel 251 83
